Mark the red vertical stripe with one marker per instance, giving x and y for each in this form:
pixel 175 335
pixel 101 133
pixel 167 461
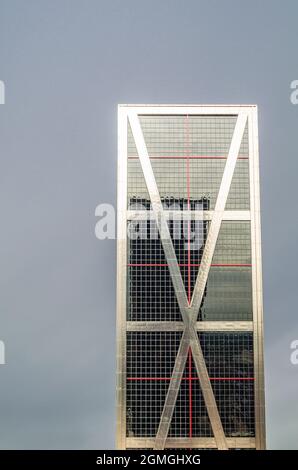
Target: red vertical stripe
pixel 190 392
pixel 188 203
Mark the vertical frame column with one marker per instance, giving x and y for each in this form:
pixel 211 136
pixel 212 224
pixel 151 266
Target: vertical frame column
pixel 121 278
pixel 256 279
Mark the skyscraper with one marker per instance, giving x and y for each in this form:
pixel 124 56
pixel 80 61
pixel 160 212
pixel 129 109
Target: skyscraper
pixel 189 281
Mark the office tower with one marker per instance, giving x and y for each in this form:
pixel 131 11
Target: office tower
pixel 189 281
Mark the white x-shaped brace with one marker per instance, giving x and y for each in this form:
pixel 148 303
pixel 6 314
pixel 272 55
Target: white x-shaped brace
pixel 190 311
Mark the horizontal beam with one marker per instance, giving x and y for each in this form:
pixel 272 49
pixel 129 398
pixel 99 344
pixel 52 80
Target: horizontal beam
pixel 186 215
pixel 179 326
pixel 186 109
pixel 191 443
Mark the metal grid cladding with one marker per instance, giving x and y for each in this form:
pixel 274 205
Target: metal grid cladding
pixel 229 360
pixel 189 284
pixel 150 360
pixel 151 293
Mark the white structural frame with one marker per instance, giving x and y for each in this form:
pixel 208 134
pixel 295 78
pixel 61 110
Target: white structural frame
pixel 245 115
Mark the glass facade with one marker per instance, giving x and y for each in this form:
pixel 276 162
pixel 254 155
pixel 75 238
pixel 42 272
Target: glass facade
pixel 191 171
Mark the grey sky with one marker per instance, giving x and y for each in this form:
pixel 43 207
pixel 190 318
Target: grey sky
pixel 66 65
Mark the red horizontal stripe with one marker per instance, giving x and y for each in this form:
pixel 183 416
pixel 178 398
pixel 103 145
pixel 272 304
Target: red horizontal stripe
pixel 187 378
pixel 152 265
pixel 195 157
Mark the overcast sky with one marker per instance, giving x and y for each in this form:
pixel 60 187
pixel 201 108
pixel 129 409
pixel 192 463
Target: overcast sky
pixel 66 65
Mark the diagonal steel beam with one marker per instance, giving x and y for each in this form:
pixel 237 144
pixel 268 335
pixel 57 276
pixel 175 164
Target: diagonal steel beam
pixel 186 310
pixel 202 277
pixel 189 313
pixel 176 277
pixel 218 213
pixel 172 392
pixel 160 218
